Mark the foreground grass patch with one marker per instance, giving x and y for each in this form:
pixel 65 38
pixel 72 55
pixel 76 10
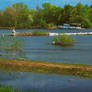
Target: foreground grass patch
pixel 47 67
pixel 11 89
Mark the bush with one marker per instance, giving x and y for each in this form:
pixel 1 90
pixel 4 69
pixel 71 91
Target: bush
pixel 86 23
pixel 64 40
pixel 51 26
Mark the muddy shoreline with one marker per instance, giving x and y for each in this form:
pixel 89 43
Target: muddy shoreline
pixel 46 67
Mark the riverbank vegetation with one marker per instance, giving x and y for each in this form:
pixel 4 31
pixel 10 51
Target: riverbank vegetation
pixel 48 16
pixel 63 40
pixel 11 89
pixel 46 67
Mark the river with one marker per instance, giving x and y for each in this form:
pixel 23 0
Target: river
pixel 38 82
pixel 40 48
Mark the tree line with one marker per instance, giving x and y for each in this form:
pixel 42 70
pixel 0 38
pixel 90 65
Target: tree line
pixel 20 16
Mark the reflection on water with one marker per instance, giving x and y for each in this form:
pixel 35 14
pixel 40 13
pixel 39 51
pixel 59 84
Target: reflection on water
pixel 45 82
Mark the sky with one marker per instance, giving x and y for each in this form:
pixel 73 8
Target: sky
pixel 34 3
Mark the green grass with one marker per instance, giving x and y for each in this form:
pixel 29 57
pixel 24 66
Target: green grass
pixel 39 33
pixel 11 89
pixel 64 40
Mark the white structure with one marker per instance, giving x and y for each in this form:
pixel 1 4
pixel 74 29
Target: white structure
pixel 13 31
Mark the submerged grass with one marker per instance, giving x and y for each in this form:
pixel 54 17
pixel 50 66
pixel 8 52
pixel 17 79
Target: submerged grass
pixel 46 67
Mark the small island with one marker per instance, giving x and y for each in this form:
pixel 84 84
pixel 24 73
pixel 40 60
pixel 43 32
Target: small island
pixel 63 40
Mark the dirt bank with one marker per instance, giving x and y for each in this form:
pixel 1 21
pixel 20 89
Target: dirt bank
pixel 46 67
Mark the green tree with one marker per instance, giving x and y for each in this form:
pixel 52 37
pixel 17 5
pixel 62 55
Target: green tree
pixel 52 13
pixel 20 16
pixel 80 14
pixel 90 14
pixel 22 13
pixel 67 13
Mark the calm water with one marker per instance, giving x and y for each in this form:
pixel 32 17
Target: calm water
pixel 45 82
pixel 40 48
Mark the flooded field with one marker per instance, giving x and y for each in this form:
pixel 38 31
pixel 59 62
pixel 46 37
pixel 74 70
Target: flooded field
pixel 40 48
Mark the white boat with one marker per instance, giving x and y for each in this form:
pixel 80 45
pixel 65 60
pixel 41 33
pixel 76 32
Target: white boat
pixel 67 26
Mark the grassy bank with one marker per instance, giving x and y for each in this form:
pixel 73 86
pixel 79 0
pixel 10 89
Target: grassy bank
pixel 11 89
pixel 47 67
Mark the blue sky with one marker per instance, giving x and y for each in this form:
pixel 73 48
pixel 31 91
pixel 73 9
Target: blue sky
pixel 33 3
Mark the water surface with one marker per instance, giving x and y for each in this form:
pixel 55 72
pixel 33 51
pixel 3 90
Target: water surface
pixel 40 47
pixel 45 82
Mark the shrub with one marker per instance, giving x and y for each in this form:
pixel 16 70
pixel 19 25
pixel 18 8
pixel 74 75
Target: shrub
pixel 64 40
pixel 51 26
pixel 86 23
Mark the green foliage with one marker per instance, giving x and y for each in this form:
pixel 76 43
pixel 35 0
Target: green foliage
pixel 6 89
pixel 64 40
pixel 51 26
pixel 55 39
pixel 20 16
pixel 80 14
pixel 86 23
pixel 43 23
pixel 67 13
pixel 11 89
